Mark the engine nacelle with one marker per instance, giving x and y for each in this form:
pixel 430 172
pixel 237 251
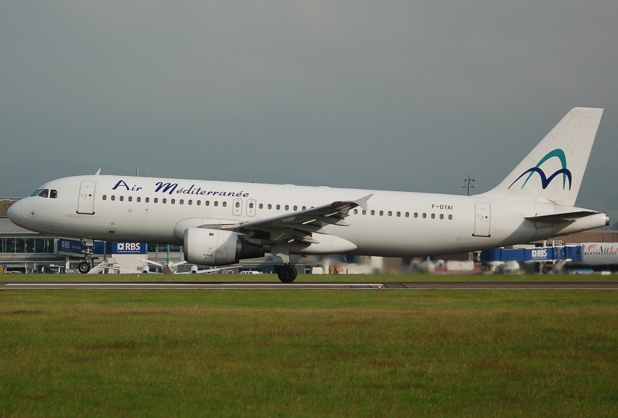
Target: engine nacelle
pixel 214 247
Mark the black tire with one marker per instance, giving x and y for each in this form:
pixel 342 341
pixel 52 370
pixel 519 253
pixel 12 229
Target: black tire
pixel 84 267
pixel 287 273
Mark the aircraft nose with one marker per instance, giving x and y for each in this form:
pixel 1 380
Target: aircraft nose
pixel 15 213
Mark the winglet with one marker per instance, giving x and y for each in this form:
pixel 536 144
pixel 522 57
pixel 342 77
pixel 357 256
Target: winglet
pixel 98 172
pixel 362 202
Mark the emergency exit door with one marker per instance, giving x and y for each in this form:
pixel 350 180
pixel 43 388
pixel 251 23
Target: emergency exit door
pixel 482 221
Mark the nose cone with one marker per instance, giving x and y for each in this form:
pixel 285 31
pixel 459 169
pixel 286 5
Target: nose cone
pixel 15 213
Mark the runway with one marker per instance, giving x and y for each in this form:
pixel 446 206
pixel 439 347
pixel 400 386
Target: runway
pixel 315 286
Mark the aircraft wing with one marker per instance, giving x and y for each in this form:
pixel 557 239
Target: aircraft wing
pixel 297 226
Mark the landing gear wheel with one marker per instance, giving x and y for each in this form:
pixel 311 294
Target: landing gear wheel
pixel 84 267
pixel 287 273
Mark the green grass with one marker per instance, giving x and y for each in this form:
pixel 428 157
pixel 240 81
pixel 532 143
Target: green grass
pixel 299 352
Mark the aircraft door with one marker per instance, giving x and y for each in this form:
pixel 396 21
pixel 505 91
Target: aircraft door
pixel 237 207
pixel 85 200
pixel 482 221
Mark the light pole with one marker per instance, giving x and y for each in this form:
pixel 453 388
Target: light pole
pixel 468 184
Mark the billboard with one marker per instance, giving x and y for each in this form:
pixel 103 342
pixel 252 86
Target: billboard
pixel 129 248
pixel 75 247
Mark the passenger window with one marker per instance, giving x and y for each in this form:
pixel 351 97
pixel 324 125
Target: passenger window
pixel 295 208
pixel 424 215
pixel 199 203
pixel 156 200
pixel 399 214
pixel 113 198
pixel 373 212
pixel 121 198
pixel 287 207
pixel 139 199
pixel 147 199
pixel 181 201
pixel 190 202
pixel 390 213
pixel 381 213
pixel 224 204
pixel 250 205
pixel 433 216
pixel 304 207
pixel 278 207
pixel 450 217
pixel 164 201
pixel 216 203
pixel 172 201
pixel 441 216
pixel 261 206
pixel 130 198
pixel 270 206
pixel 207 203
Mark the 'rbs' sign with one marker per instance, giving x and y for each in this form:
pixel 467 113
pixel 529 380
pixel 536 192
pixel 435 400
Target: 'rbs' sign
pixel 129 248
pixel 539 254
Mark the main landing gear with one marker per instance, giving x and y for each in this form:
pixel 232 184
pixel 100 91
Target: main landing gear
pixel 85 266
pixel 287 273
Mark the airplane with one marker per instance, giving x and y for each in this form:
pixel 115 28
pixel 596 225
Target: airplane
pixel 219 223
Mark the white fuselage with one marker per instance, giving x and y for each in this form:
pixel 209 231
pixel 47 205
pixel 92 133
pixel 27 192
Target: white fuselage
pixel 402 224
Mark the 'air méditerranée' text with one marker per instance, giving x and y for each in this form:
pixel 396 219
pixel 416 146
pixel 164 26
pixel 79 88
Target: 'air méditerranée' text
pixel 174 188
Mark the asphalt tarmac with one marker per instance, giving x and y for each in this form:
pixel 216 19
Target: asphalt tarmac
pixel 317 286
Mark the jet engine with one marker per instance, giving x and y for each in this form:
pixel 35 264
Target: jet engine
pixel 214 247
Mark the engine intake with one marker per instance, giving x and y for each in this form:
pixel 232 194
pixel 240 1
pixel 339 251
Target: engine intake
pixel 214 247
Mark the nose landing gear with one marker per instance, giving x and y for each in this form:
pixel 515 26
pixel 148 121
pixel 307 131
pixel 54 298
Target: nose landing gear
pixel 85 266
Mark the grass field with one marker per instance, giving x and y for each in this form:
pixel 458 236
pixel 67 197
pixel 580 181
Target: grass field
pixel 308 352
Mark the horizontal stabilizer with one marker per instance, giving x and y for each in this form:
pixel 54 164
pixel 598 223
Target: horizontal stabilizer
pixel 557 218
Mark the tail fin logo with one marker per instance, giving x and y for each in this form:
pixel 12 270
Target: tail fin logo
pixel 566 173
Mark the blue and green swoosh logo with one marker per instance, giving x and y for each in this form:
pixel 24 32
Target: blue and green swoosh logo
pixel 566 173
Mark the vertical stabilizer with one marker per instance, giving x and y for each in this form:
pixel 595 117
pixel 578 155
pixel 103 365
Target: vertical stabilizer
pixel 553 171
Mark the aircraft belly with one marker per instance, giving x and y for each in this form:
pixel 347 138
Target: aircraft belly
pixel 407 240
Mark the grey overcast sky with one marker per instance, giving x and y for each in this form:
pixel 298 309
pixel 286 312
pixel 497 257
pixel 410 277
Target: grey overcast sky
pixel 400 95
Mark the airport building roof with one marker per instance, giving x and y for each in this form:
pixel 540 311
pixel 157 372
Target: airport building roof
pixel 9 228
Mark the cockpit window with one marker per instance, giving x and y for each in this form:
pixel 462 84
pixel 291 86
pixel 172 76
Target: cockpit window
pixel 46 193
